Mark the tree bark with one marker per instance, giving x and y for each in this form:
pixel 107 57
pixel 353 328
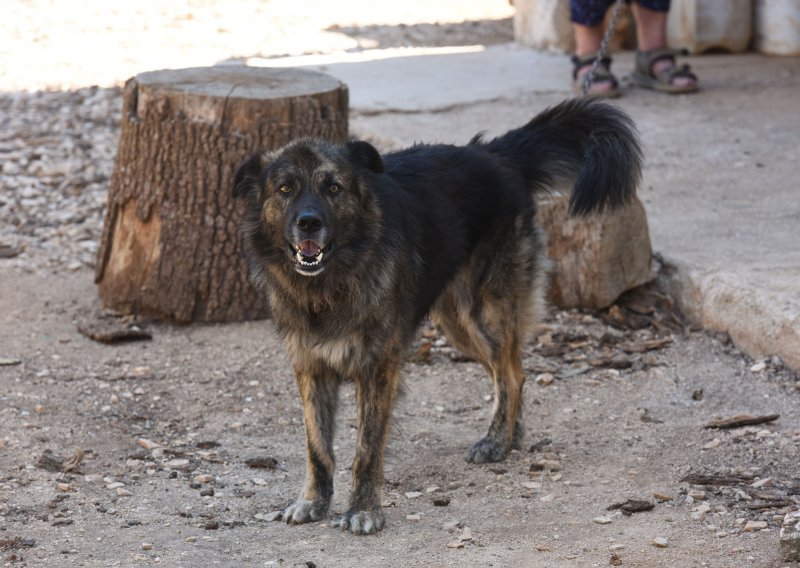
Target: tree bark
pixel 171 247
pixel 595 258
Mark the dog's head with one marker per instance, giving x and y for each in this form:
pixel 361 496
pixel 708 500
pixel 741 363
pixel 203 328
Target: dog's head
pixel 309 201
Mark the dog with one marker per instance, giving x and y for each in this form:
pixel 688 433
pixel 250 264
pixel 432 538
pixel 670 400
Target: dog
pixel 355 249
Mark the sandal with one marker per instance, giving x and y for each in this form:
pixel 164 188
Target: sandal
pixel 643 75
pixel 601 75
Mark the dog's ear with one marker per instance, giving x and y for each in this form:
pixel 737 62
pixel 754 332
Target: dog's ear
pixel 365 154
pixel 247 177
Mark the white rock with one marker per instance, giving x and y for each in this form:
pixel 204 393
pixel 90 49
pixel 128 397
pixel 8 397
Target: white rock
pixel 660 542
pixel 758 366
pixel 413 494
pixel 602 520
pixel 752 526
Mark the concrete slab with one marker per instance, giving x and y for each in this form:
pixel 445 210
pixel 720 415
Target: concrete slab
pixel 721 180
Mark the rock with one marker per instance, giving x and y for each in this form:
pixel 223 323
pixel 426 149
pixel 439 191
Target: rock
pixel 455 545
pixel 441 502
pixel 752 526
pixel 531 484
pixel 466 535
pixel 662 496
pixel 761 482
pixel 660 542
pixel 147 444
pixel 263 462
pixel 177 463
pixel 432 489
pixel 758 366
pixel 122 492
pixel 413 517
pixel 203 478
pixel 596 258
pixel 545 379
pixel 207 492
pixel 147 546
pixel 602 520
pixel 790 537
pixel 413 494
pixel 715 443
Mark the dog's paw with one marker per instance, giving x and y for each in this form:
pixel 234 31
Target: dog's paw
pixel 302 511
pixel 361 522
pixel 486 451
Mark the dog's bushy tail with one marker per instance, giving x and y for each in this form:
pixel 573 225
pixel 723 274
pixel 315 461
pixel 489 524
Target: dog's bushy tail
pixel 584 143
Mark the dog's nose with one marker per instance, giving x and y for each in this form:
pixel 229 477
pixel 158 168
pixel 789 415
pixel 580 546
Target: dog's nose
pixel 309 221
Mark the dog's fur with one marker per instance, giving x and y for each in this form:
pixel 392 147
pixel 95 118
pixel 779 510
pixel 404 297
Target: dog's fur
pixel 354 250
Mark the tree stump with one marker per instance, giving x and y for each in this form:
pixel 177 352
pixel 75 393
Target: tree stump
pixel 171 247
pixel 595 258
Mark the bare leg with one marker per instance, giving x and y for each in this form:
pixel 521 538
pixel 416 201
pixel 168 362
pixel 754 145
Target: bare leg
pixel 587 41
pixel 651 33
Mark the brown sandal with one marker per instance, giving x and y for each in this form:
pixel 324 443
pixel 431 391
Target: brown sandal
pixel 600 75
pixel 643 75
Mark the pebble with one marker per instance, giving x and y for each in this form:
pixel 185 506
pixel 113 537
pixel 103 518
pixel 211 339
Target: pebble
pixel 432 489
pixel 64 487
pixel 122 492
pixel 178 463
pixel 660 542
pixel 455 545
pixel 761 482
pixel 602 520
pixel 203 478
pixel 758 366
pixel 466 535
pixel 147 444
pixel 115 485
pixel 752 526
pixel 413 494
pixel 147 546
pixel 715 443
pixel 531 485
pixel 413 517
pixel 38 409
pixel 616 547
pixel 545 379
pixel 207 492
pixel 662 496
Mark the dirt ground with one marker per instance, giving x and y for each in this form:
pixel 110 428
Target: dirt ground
pixel 187 444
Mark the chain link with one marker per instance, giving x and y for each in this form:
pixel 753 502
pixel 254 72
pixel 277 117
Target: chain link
pixel 603 51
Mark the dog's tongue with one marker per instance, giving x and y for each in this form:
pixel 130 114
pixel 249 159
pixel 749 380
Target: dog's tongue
pixel 309 248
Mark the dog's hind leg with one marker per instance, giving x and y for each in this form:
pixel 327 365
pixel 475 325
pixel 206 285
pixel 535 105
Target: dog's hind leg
pixel 486 312
pixel 375 396
pixel 320 394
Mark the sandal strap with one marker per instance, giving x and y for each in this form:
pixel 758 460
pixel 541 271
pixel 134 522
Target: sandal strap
pixel 667 75
pixel 645 59
pixel 579 61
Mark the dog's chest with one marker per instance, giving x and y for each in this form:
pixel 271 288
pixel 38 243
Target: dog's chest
pixel 339 353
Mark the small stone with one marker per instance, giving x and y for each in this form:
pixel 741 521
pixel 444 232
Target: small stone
pixel 752 526
pixel 413 517
pixel 662 496
pixel 545 379
pixel 660 542
pixel 413 494
pixel 211 526
pixel 207 492
pixel 532 485
pixel 115 485
pixel 543 548
pixel 38 409
pixel 466 535
pixel 761 482
pixel 602 520
pixel 178 463
pixel 441 502
pixel 790 537
pixel 147 546
pixel 758 366
pixel 455 545
pixel 721 534
pixel 715 443
pixel 697 495
pixel 432 489
pixel 141 373
pixel 9 362
pixel 122 492
pixel 616 547
pixel 191 539
pixel 147 444
pixel 203 478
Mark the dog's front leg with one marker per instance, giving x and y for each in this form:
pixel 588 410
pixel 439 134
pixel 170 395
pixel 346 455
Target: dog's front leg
pixel 375 397
pixel 320 394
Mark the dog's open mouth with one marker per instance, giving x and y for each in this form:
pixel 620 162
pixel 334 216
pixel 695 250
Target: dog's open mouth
pixel 308 256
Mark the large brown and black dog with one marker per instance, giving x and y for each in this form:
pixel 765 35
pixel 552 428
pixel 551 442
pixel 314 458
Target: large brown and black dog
pixel 354 249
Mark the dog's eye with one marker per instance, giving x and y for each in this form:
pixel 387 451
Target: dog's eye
pixel 334 188
pixel 285 189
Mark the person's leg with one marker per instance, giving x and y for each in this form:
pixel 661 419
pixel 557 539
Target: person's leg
pixel 651 32
pixel 587 25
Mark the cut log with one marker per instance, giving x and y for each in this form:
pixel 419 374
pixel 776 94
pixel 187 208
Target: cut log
pixel 171 247
pixel 595 258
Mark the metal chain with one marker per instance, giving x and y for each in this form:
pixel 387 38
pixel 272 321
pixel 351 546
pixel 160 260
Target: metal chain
pixel 601 53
